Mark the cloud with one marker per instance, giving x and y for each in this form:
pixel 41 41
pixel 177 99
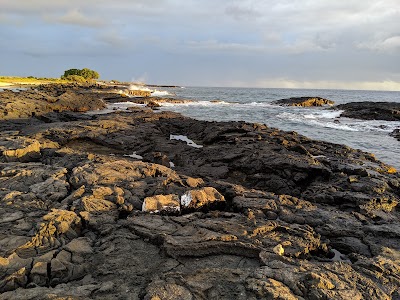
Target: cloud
pixel 240 40
pixel 214 45
pixel 112 38
pixel 388 85
pixel 76 18
pixel 240 12
pixel 390 45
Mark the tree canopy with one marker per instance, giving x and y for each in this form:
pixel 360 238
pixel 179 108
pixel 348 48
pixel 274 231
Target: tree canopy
pixel 85 73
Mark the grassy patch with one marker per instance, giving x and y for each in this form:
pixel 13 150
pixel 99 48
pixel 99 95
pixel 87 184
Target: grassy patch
pixel 30 80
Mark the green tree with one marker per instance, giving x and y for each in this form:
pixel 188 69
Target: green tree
pixel 85 73
pixel 75 78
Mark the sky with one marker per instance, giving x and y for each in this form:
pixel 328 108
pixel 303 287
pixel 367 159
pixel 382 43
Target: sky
pixel 345 44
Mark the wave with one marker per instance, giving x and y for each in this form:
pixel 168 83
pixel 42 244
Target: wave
pixel 324 114
pixel 157 93
pixel 197 103
pixel 324 119
pixel 154 93
pixel 135 87
pixel 258 104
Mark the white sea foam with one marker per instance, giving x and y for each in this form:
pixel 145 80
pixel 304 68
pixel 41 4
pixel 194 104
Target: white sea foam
pixel 157 93
pixel 375 125
pixel 135 87
pixel 257 104
pixel 154 93
pixel 184 138
pixel 306 119
pixel 324 114
pixel 333 125
pixel 197 103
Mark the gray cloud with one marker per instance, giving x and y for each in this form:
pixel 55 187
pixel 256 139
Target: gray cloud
pixel 250 41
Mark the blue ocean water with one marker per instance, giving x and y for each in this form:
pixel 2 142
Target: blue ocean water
pixel 254 105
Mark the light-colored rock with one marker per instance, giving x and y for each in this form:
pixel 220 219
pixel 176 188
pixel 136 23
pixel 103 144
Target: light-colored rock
pixel 21 149
pixel 201 197
pixel 278 249
pixel 59 226
pixel 161 203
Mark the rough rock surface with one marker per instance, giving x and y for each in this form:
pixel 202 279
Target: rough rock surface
pixel 272 214
pixel 396 134
pixel 304 101
pixel 49 98
pixel 389 111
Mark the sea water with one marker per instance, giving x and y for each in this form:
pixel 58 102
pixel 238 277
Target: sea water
pixel 321 123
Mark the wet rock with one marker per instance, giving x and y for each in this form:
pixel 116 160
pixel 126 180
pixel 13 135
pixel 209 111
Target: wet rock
pixel 388 111
pixel 396 134
pixel 304 101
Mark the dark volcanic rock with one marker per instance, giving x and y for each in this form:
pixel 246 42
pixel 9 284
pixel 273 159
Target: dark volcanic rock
pixel 304 101
pixel 389 111
pixel 396 134
pixel 112 207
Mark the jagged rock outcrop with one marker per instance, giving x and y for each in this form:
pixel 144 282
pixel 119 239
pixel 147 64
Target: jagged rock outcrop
pixel 366 110
pixel 255 213
pixel 304 101
pixel 396 134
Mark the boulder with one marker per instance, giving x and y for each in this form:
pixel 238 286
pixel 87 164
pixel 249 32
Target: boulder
pixel 201 198
pixel 161 204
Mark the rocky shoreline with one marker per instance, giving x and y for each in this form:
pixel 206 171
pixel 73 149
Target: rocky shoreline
pixel 154 205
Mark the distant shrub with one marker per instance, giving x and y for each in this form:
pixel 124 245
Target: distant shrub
pixel 85 73
pixel 75 78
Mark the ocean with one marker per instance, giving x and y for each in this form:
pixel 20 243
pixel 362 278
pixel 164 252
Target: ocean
pixel 321 123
